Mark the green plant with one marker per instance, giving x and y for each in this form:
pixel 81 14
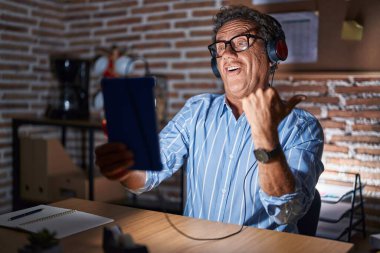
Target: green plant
pixel 43 239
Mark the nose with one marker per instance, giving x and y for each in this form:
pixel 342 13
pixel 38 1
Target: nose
pixel 228 52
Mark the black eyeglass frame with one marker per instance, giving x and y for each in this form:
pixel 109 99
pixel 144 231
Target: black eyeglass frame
pixel 213 51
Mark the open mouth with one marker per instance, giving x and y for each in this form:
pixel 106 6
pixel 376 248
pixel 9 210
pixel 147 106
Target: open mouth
pixel 232 68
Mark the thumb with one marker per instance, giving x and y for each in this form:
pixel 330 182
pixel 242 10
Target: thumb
pixel 293 101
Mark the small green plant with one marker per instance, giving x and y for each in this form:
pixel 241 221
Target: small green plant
pixel 43 239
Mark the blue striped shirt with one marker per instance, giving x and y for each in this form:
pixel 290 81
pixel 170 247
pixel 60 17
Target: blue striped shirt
pixel 219 153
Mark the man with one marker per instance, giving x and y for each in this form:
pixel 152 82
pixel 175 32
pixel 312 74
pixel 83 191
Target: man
pixel 251 158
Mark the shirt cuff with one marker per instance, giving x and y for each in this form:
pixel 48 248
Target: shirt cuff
pixel 144 188
pixel 285 209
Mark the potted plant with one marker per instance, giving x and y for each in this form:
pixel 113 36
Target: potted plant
pixel 43 241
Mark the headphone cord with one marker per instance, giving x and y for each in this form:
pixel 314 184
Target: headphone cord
pixel 272 71
pixel 212 238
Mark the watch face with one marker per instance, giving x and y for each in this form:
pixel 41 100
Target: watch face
pixel 261 155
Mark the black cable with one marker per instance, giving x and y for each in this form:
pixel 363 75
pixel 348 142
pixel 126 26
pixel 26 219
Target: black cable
pixel 272 71
pixel 207 239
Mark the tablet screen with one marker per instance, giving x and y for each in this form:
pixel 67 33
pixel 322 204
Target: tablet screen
pixel 129 106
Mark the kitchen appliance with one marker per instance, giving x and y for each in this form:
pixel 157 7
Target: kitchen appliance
pixel 71 100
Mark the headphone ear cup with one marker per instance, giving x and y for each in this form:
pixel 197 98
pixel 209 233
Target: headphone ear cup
pixel 277 50
pixel 214 67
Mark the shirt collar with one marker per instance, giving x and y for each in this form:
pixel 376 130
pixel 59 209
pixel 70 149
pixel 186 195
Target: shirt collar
pixel 225 106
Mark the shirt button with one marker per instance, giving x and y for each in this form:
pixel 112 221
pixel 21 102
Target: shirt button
pixel 231 156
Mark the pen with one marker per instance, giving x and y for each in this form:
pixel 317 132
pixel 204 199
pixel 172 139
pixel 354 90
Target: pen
pixel 25 214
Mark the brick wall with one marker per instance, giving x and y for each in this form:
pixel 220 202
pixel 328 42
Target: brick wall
pixel 29 30
pixel 347 105
pixel 172 35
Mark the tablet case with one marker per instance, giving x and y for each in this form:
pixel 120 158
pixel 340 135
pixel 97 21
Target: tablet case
pixel 129 106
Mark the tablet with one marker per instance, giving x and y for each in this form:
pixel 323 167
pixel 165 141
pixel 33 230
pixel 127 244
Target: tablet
pixel 129 106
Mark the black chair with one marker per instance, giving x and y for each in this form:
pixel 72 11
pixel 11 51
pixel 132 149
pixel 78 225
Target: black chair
pixel 308 224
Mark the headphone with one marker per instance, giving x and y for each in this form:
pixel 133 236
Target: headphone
pixel 277 50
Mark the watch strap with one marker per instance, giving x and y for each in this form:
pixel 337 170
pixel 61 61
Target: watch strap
pixel 264 156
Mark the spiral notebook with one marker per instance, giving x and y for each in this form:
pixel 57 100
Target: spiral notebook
pixel 63 222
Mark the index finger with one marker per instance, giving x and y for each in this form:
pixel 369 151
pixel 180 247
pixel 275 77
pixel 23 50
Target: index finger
pixel 110 148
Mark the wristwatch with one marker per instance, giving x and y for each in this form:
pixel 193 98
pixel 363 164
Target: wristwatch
pixel 264 156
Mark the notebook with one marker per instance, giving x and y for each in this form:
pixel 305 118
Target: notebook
pixel 131 118
pixel 63 222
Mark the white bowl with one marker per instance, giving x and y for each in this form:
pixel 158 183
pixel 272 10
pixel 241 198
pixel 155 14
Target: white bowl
pixel 101 65
pixel 123 65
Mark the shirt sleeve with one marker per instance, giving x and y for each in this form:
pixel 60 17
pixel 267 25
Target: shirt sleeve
pixel 302 147
pixel 174 144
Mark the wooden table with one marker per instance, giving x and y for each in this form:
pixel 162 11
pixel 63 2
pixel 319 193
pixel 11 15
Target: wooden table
pixel 152 229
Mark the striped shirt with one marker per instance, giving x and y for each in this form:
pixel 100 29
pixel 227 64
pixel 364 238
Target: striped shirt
pixel 219 154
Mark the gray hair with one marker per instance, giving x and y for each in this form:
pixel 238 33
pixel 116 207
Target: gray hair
pixel 264 25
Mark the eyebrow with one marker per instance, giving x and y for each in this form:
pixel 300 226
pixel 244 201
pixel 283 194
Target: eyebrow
pixel 247 31
pixel 217 40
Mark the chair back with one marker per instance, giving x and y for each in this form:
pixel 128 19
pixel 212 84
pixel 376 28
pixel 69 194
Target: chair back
pixel 308 224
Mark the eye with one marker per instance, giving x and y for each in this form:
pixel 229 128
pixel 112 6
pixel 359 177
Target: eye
pixel 240 42
pixel 220 46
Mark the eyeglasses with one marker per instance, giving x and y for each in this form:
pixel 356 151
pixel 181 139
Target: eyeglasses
pixel 238 43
